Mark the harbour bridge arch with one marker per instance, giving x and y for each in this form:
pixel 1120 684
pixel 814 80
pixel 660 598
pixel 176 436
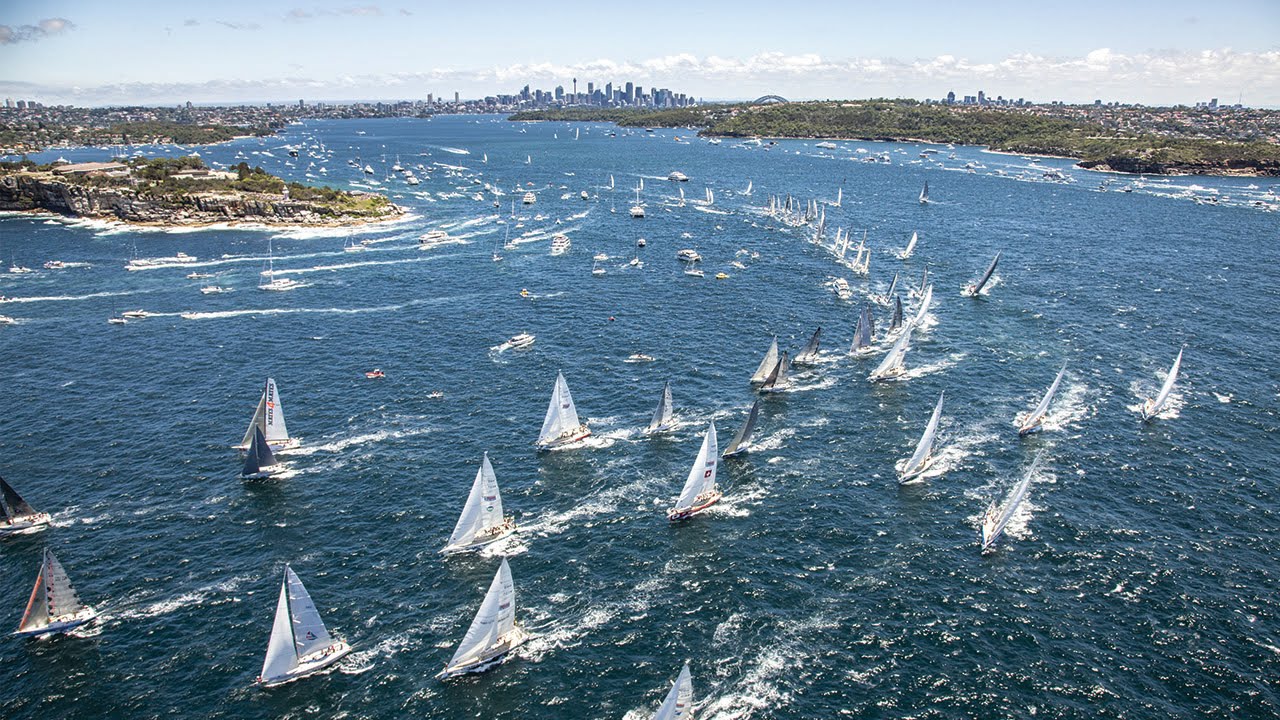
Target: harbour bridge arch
pixel 770 99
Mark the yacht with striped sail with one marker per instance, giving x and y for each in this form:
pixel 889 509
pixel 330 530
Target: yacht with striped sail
pixel 1153 406
pixel 19 517
pixel 662 415
pixel 923 455
pixel 974 288
pixel 300 644
pixel 700 490
pixel 482 521
pixel 678 704
pixel 741 442
pixel 494 631
pixel 767 364
pixel 54 607
pixel 1031 423
pixel 996 518
pixel 269 418
pixel 561 426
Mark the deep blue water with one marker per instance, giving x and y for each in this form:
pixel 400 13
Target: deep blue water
pixel 1138 582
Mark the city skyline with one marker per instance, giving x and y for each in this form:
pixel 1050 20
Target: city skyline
pixel 282 51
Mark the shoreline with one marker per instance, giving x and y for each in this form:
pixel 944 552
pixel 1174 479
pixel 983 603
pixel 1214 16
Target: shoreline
pixel 113 222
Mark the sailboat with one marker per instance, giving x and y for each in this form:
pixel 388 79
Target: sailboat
pixel 885 299
pixel 923 456
pixel 637 210
pixel 892 365
pixel 767 364
pixel 924 283
pixel 700 490
pixel 259 462
pixel 269 418
pixel 19 517
pixel 300 644
pixel 863 332
pixel 924 194
pixel 662 414
pixel 895 319
pixel 923 310
pixel 839 198
pixel 996 519
pixel 678 704
pixel 274 283
pixel 1031 423
pixel 561 427
pixel 1153 406
pixel 482 521
pixel 494 631
pixel 748 190
pixel 54 606
pixel 910 248
pixel 741 442
pixel 779 378
pixel 974 288
pixel 808 355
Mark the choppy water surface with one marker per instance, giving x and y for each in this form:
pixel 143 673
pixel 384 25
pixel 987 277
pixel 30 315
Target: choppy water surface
pixel 1139 581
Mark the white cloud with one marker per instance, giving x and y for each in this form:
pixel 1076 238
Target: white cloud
pixel 30 33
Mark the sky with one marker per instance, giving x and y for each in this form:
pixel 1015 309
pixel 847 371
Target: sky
pixel 138 52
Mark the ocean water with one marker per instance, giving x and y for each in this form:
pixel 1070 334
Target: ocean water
pixel 1138 581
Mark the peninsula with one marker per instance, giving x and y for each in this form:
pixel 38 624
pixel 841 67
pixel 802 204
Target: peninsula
pixel 182 192
pixel 1168 148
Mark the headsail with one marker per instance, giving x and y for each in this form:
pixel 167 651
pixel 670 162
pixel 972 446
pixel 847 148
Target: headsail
pixel 259 456
pixel 1032 422
pixel 911 247
pixel 1153 407
pixel 483 509
pixel 14 505
pixel 702 476
pixel 767 364
pixel 281 655
pixel 662 414
pixel 862 333
pixel 679 702
pixel 778 377
pixel 495 618
pixel 561 413
pixel 36 615
pixel 893 285
pixel 976 288
pixel 809 353
pixel 743 438
pixel 924 449
pixel 996 520
pixel 923 310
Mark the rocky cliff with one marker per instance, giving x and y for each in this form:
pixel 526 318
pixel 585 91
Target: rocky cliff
pixel 43 191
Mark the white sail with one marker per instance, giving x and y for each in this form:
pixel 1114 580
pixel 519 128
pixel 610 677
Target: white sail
pixel 60 596
pixel 996 520
pixel 678 704
pixel 702 476
pixel 893 361
pixel 924 449
pixel 742 440
pixel 767 364
pixel 748 190
pixel 924 306
pixel 1153 407
pixel 662 414
pixel 561 413
pixel 269 416
pixel 281 657
pixel 911 247
pixel 495 618
pixel 924 193
pixel 483 510
pixel 839 197
pixel 1032 421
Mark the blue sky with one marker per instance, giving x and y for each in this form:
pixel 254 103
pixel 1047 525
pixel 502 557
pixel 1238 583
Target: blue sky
pixel 128 51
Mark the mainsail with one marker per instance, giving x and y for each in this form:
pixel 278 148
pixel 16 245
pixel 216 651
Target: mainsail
pixel 767 364
pixel 996 520
pixel 702 476
pixel 778 377
pixel 561 413
pixel 924 306
pixel 896 321
pixel 495 618
pixel 1031 423
pixel 924 449
pixel 259 458
pixel 1152 407
pixel 911 247
pixel 268 417
pixel 809 353
pixel 662 414
pixel 483 510
pixel 862 333
pixel 892 363
pixel 14 505
pixel 51 598
pixel 976 288
pixel 742 439
pixel 679 702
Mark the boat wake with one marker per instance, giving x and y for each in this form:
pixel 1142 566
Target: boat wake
pixel 73 298
pixel 367 263
pixel 362 661
pixel 758 691
pixel 337 446
pixel 1143 391
pixel 931 368
pixel 1071 407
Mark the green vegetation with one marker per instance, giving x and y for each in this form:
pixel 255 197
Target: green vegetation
pixel 180 133
pixel 1004 130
